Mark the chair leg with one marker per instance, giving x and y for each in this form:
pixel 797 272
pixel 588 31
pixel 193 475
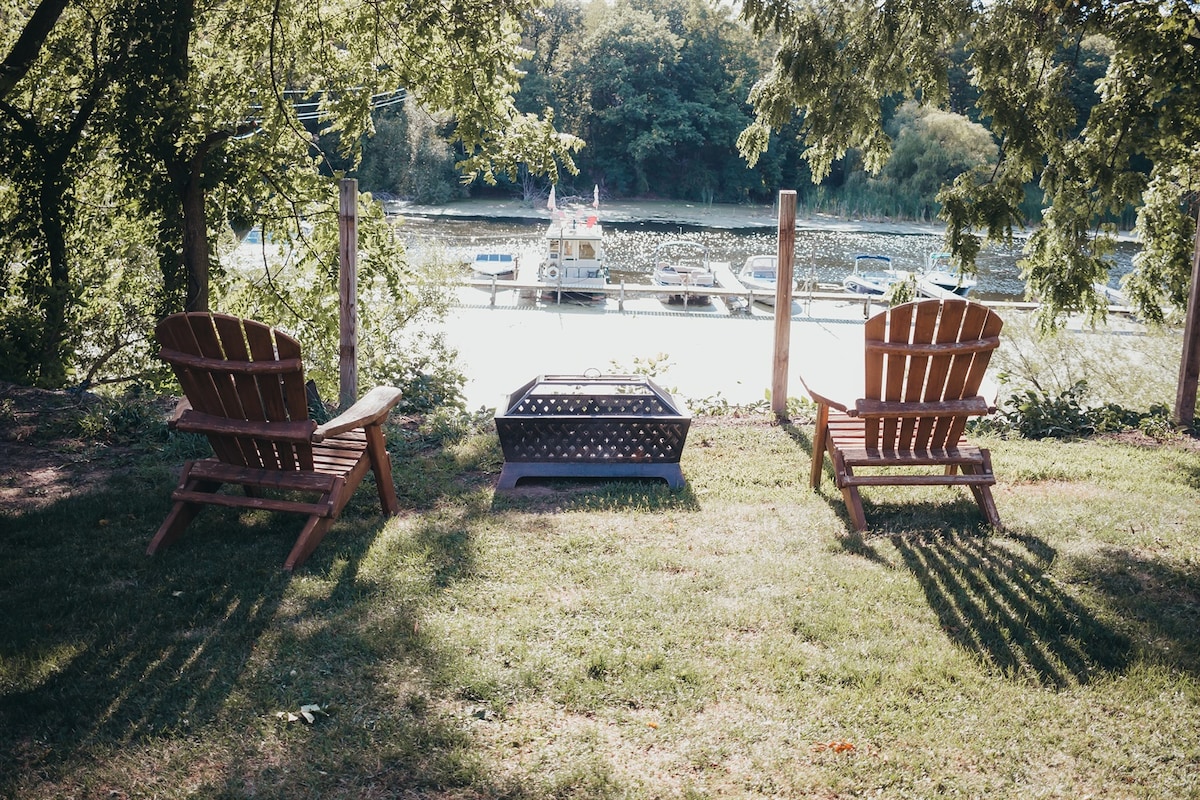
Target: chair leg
pixel 983 495
pixel 820 435
pixel 182 513
pixel 314 531
pixel 988 506
pixel 855 507
pixel 381 465
pixel 173 526
pixel 850 493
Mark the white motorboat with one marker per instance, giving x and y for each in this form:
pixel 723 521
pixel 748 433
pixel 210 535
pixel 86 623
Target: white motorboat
pixel 760 273
pixel 495 264
pixel 573 255
pixel 873 275
pixel 683 266
pixel 942 279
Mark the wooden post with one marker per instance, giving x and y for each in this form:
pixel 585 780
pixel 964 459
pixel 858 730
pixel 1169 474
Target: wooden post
pixel 783 302
pixel 1189 364
pixel 348 292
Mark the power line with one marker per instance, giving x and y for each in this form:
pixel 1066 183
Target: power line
pixel 311 111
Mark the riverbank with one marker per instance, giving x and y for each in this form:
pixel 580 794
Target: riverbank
pixel 719 216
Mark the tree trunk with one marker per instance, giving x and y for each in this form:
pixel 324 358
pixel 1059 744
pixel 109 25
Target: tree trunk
pixel 52 371
pixel 196 253
pixel 28 46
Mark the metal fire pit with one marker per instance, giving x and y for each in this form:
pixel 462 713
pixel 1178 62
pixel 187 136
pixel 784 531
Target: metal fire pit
pixel 591 426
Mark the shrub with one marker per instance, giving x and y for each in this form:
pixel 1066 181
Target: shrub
pixel 1034 414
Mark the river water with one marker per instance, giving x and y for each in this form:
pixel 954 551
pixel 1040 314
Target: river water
pixel 828 252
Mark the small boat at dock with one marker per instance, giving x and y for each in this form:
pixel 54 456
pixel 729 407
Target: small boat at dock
pixel 941 279
pixel 495 264
pixel 873 275
pixel 683 266
pixel 1110 294
pixel 760 273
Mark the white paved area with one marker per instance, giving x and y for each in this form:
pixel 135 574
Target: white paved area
pixel 707 354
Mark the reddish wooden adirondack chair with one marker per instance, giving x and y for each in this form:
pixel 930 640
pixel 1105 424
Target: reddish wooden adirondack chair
pixel 924 364
pixel 245 390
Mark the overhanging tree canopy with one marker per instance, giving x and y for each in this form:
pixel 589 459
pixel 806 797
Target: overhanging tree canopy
pixel 1139 147
pixel 182 116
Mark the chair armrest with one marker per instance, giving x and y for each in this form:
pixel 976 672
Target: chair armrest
pixel 835 394
pixel 371 409
pixel 177 413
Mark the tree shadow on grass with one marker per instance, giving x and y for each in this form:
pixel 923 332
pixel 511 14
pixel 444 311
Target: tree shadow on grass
pixel 994 597
pixel 189 657
pixel 104 646
pixel 1158 600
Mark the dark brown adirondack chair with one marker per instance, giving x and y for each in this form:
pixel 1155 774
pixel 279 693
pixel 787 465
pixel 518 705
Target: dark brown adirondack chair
pixel 245 390
pixel 924 365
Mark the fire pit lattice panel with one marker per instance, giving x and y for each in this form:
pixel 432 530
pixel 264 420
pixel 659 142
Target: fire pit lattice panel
pixel 591 426
pixel 560 405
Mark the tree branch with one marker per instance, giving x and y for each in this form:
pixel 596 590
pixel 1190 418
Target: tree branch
pixel 25 51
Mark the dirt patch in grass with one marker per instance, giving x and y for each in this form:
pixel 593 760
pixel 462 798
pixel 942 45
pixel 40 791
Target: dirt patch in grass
pixel 43 457
pixel 1137 438
pixel 33 476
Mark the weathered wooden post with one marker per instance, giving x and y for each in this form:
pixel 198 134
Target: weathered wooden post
pixel 348 292
pixel 1189 363
pixel 783 302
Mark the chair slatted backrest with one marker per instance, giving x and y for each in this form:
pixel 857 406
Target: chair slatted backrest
pixel 245 384
pixel 928 351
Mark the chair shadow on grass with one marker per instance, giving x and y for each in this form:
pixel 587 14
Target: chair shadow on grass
pixel 994 596
pixel 992 593
pixel 105 650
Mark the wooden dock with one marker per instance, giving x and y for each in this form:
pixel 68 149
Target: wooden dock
pixel 729 297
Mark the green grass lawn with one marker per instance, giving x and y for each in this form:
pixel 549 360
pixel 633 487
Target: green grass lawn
pixel 618 640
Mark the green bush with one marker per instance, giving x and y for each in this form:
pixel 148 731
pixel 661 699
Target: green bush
pixel 1034 414
pixel 20 333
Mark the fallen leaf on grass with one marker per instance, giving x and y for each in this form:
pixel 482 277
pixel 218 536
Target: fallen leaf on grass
pixel 835 746
pixel 307 713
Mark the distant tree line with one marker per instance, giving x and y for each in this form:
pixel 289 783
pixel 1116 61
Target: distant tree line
pixel 659 91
